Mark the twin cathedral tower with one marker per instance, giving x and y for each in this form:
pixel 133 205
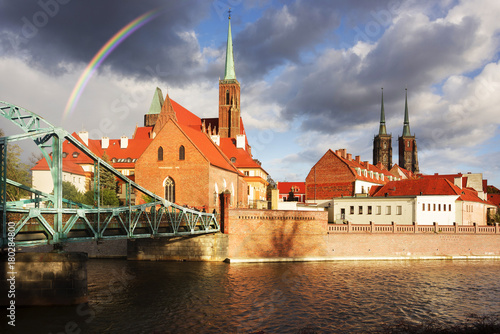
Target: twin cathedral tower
pixel 382 143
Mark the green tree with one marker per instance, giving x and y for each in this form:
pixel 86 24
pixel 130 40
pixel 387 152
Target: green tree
pixel 71 193
pixel 108 186
pixel 16 171
pixel 106 178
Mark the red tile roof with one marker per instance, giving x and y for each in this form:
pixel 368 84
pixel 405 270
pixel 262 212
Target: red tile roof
pixel 427 186
pixel 191 125
pixel 284 187
pixel 242 158
pixel 68 167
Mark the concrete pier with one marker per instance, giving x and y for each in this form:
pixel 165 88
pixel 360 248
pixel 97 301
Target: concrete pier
pixel 43 279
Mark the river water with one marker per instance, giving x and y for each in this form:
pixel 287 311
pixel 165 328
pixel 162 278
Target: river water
pixel 328 297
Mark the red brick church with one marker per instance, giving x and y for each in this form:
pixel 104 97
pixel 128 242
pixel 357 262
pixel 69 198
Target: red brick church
pixel 176 154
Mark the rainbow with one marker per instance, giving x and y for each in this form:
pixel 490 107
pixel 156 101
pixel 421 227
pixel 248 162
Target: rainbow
pixel 103 53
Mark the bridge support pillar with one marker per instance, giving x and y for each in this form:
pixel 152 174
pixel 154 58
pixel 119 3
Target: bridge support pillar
pixel 44 279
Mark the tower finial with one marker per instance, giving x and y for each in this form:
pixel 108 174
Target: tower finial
pixel 229 72
pixel 406 124
pixel 229 12
pixel 382 130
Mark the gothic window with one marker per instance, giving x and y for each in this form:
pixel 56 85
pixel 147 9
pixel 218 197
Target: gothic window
pixel 385 145
pixel 160 153
pixel 407 144
pixel 227 96
pixel 169 185
pixel 182 153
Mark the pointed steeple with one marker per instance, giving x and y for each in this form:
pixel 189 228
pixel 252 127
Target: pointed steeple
pixel 406 126
pixel 157 102
pixel 382 130
pixel 229 73
pixel 168 110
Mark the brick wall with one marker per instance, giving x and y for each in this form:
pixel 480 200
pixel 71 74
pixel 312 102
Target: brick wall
pixel 276 234
pixel 194 177
pixel 328 178
pixel 267 235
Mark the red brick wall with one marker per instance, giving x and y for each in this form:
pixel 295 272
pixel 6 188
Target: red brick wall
pixel 332 178
pixel 411 245
pixel 194 177
pixel 276 234
pixel 191 176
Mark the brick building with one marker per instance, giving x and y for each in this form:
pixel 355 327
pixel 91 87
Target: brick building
pixel 338 174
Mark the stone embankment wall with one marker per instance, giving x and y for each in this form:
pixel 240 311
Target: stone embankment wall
pixel 45 278
pixel 265 235
pixel 211 247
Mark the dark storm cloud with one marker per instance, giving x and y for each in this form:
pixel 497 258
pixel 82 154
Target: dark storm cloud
pixel 285 33
pixel 343 90
pixel 48 33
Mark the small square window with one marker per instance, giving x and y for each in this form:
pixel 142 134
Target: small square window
pixel 360 210
pixel 387 210
pixel 423 206
pixel 369 210
pixel 379 210
pixel 399 210
pixel 351 210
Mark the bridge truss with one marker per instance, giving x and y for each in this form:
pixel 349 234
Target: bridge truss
pixel 58 220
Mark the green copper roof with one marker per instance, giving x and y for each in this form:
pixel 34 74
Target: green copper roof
pixel 382 130
pixel 229 73
pixel 406 126
pixel 157 102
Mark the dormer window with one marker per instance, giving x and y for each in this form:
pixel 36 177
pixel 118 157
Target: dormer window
pixel 233 160
pixel 75 154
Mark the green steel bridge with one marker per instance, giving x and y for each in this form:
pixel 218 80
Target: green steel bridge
pixel 50 219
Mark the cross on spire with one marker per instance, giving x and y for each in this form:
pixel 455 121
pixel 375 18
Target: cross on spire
pixel 229 12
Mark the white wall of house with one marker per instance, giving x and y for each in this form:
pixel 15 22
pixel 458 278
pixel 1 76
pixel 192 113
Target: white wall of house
pixel 363 187
pixel 42 180
pixel 424 210
pixel 379 210
pixel 298 206
pixel 436 208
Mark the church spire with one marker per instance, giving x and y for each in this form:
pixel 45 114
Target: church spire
pixel 406 126
pixel 229 73
pixel 382 130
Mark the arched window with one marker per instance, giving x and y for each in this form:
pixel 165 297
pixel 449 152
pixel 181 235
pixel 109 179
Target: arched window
pixel 182 153
pixel 169 185
pixel 160 153
pixel 227 97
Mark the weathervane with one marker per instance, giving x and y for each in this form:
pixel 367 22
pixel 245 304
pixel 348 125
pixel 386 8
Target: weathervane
pixel 229 11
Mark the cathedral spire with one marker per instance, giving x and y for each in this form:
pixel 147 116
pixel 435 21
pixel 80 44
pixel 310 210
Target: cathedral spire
pixel 406 126
pixel 382 130
pixel 229 73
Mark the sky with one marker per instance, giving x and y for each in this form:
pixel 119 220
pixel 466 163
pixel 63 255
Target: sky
pixel 311 72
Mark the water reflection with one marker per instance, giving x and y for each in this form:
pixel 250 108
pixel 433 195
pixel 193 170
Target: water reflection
pixel 333 297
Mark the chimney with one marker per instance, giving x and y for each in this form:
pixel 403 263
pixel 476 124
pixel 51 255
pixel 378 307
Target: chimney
pixel 337 152
pixel 365 163
pixel 124 142
pixel 84 135
pixel 349 156
pixel 358 159
pixel 343 152
pixel 104 142
pixel 240 141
